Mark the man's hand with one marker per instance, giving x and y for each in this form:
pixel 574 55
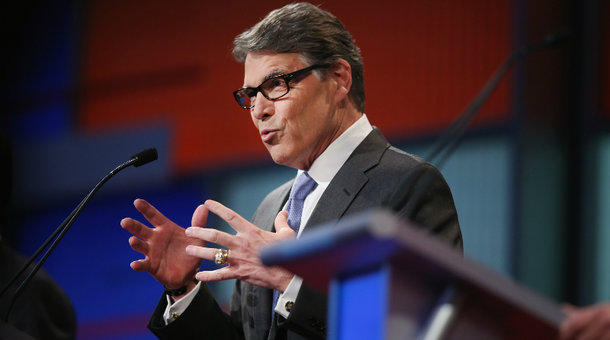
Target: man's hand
pixel 244 247
pixel 591 322
pixel 163 246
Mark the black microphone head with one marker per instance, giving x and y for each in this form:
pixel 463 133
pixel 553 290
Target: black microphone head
pixel 144 156
pixel 558 37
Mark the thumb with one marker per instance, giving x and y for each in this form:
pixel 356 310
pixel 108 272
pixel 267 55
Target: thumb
pixel 200 216
pixel 282 229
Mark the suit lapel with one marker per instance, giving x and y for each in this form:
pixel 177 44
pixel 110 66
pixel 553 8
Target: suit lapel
pixel 346 184
pixel 277 201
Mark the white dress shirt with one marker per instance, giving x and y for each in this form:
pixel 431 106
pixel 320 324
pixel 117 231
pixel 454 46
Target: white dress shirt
pixel 323 170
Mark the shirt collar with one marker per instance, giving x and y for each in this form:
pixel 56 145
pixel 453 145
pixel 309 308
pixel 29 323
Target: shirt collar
pixel 326 166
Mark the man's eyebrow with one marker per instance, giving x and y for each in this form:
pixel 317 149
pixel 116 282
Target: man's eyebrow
pixel 274 73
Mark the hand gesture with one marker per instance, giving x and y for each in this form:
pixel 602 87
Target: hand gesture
pixel 163 246
pixel 244 247
pixel 591 322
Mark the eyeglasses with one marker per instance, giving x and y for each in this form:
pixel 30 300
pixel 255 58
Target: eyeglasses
pixel 273 88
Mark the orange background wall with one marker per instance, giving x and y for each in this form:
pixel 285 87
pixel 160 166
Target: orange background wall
pixel 170 63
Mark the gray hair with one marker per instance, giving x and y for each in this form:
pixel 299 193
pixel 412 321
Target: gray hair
pixel 310 31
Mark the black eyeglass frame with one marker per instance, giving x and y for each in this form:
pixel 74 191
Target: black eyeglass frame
pixel 288 77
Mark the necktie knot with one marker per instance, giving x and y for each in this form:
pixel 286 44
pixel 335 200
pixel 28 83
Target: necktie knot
pixel 303 185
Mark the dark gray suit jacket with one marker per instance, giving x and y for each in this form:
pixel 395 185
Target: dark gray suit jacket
pixel 375 175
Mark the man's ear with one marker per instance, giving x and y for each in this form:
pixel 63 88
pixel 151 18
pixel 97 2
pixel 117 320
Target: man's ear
pixel 341 72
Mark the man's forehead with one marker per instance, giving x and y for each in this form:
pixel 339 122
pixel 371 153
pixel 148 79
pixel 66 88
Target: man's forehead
pixel 261 65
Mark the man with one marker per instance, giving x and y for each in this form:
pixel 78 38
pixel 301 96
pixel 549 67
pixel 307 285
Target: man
pixel 304 87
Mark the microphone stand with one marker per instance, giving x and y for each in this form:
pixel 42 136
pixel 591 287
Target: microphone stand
pixel 448 142
pixel 444 147
pixel 136 160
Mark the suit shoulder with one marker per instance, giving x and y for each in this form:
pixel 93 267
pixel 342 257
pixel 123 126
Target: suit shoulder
pixel 395 165
pixel 398 158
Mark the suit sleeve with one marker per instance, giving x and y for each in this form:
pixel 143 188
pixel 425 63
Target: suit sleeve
pixel 308 316
pixel 203 319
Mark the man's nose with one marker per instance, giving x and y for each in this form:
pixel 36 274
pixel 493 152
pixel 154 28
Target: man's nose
pixel 263 107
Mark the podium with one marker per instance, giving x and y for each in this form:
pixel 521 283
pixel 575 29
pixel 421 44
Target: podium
pixel 386 279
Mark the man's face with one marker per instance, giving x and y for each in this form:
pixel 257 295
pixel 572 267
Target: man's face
pixel 298 127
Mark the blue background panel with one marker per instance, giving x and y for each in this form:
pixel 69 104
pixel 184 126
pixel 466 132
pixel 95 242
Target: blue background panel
pixel 602 240
pixel 479 175
pixel 69 166
pixel 92 261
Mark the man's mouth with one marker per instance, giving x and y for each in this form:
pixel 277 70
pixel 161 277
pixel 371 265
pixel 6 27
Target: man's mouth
pixel 268 134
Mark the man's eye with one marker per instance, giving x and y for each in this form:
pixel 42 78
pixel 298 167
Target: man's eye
pixel 278 82
pixel 273 83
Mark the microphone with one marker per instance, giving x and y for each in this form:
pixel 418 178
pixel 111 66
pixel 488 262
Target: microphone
pixel 144 157
pixel 139 159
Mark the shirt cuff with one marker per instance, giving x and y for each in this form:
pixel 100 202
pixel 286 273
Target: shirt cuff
pixel 175 309
pixel 287 298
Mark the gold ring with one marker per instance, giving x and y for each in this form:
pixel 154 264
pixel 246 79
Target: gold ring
pixel 221 257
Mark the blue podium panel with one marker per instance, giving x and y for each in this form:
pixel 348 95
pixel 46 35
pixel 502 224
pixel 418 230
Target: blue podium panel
pixel 359 305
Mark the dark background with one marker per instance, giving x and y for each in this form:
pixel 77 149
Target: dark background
pixel 87 84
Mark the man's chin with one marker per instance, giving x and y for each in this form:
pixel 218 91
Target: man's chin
pixel 280 160
pixel 283 158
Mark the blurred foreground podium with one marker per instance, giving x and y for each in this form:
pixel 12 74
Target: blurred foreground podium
pixel 388 280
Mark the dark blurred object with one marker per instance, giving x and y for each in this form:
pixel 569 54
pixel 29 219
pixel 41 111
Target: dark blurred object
pixel 6 178
pixel 9 332
pixel 44 311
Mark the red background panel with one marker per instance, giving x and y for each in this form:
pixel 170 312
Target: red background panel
pixel 171 62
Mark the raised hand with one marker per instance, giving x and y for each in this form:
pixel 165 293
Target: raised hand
pixel 244 247
pixel 592 322
pixel 163 245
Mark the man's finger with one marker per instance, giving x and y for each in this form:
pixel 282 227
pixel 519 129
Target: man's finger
pixel 136 228
pixel 223 273
pixel 200 216
pixel 150 213
pixel 212 235
pixel 138 245
pixel 140 265
pixel 574 324
pixel 202 252
pixel 282 229
pixel 236 222
pixel 593 331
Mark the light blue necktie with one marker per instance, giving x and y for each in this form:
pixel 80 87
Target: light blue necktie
pixel 303 185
